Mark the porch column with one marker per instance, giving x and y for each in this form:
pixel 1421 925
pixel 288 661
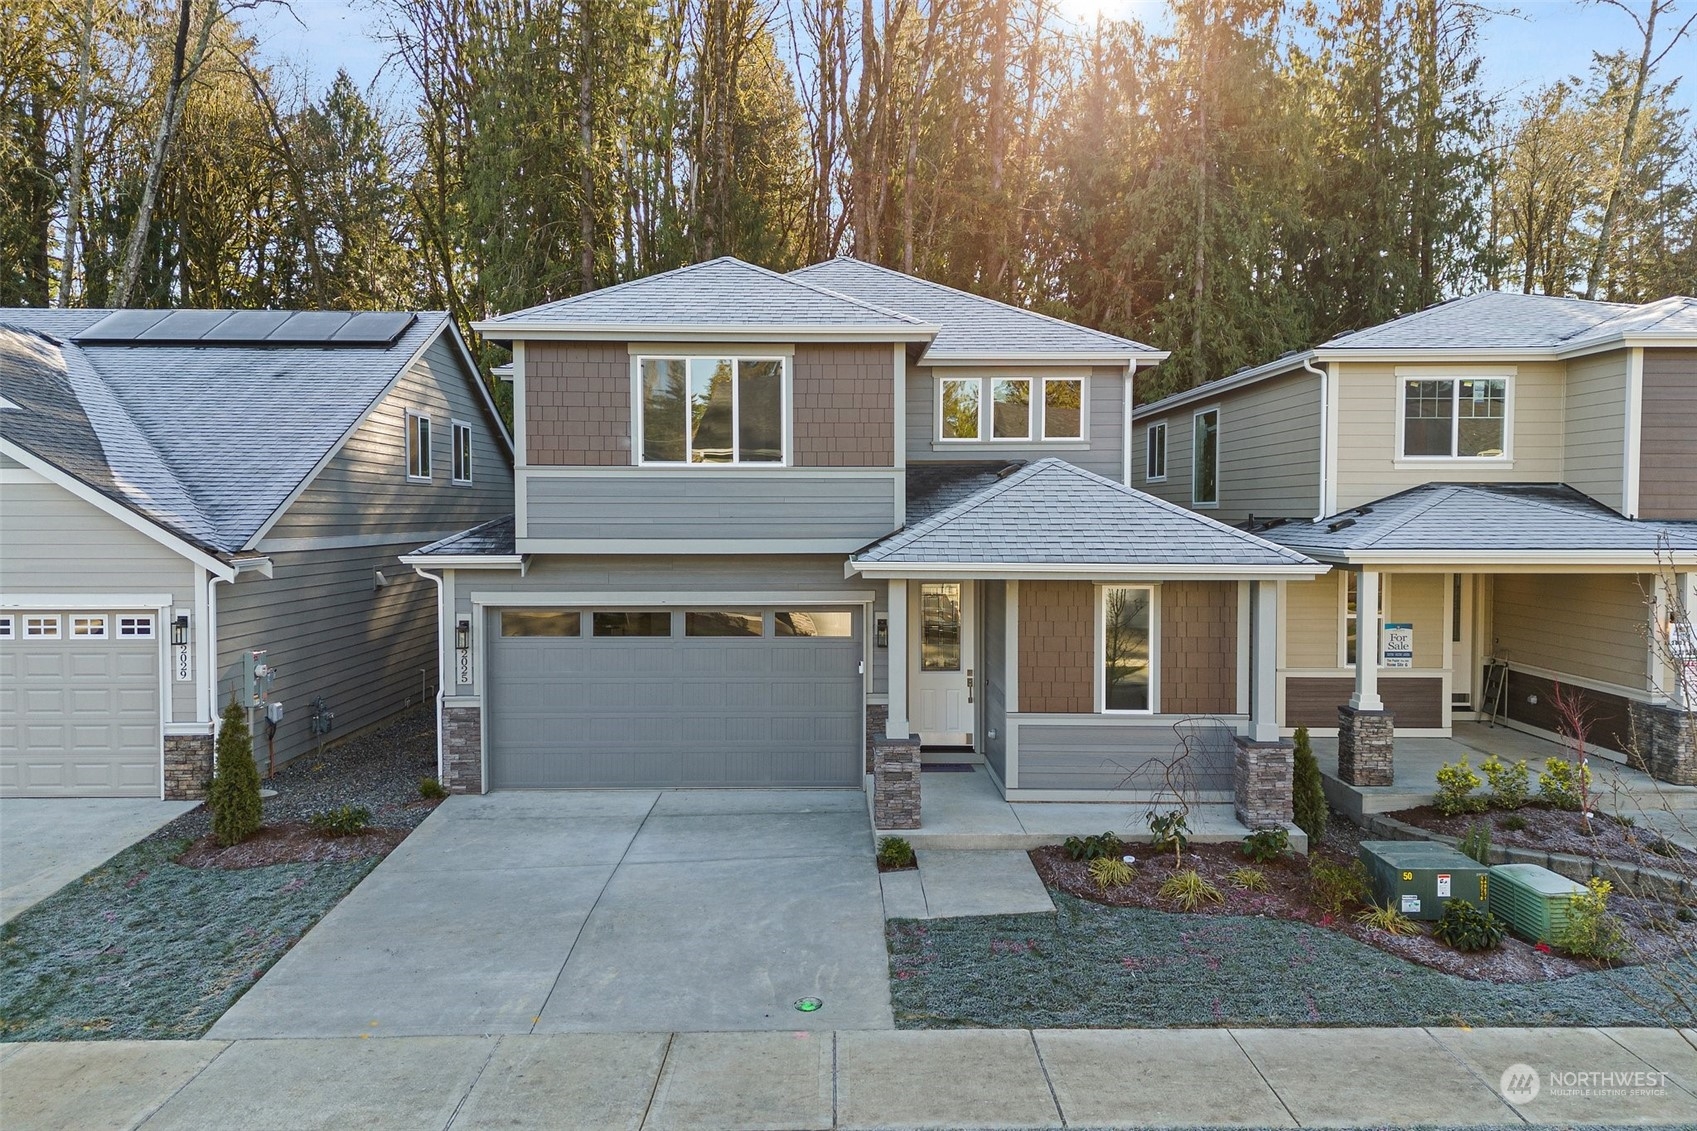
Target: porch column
pixel 1366 731
pixel 896 726
pixel 1683 638
pixel 895 756
pixel 1261 777
pixel 1264 662
pixel 1366 697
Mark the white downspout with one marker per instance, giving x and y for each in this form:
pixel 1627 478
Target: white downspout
pixel 443 670
pixel 1325 443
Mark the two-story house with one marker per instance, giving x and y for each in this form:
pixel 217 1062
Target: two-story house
pixel 1505 485
pixel 777 530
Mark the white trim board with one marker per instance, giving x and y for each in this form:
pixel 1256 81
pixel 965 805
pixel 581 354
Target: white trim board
pixel 1081 571
pixel 670 598
pixel 67 601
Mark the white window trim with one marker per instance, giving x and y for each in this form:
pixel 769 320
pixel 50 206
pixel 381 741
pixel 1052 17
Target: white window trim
pixel 1455 378
pixel 145 621
pixel 1041 428
pixel 1100 650
pixel 786 380
pixel 455 427
pixel 1149 451
pixel 429 442
pixel 8 626
pixel 42 620
pixel 1036 420
pixel 1219 460
pixel 99 625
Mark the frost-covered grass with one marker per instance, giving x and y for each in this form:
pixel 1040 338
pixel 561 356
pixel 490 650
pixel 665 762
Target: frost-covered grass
pixel 144 948
pixel 1094 966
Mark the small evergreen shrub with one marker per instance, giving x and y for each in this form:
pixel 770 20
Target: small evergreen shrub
pixel 1456 783
pixel 345 820
pixel 1388 919
pixel 1562 784
pixel 1308 794
pixel 1509 782
pixel 1467 928
pixel 1476 842
pixel 1515 823
pixel 895 852
pixel 1093 847
pixel 432 790
pixel 1111 872
pixel 1336 887
pixel 1190 889
pixel 1247 879
pixel 1266 845
pixel 234 794
pixel 1592 930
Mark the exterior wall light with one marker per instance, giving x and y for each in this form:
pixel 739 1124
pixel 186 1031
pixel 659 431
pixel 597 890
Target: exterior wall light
pixel 462 634
pixel 180 631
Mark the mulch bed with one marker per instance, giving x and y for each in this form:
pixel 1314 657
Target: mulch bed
pixel 1556 830
pixel 291 843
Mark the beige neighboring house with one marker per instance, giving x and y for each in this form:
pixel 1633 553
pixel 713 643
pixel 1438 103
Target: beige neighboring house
pixel 196 504
pixel 1500 481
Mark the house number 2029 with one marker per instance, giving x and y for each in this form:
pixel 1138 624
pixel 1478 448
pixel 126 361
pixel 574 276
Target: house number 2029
pixel 180 663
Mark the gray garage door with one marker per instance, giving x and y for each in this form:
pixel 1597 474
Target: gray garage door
pixel 610 699
pixel 79 715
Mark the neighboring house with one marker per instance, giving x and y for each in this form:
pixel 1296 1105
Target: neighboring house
pixel 179 490
pixel 1508 474
pixel 772 530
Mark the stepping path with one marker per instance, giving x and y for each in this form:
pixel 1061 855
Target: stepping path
pixel 954 883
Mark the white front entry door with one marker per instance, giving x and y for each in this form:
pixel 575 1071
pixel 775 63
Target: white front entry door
pixel 943 681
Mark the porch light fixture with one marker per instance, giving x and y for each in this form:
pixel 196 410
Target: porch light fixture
pixel 180 631
pixel 881 632
pixel 462 634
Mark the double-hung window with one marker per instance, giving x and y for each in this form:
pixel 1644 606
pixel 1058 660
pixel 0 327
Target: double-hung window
pixel 1155 453
pixel 713 410
pixel 462 452
pixel 1126 656
pixel 1454 418
pixel 418 446
pixel 1015 409
pixel 1205 459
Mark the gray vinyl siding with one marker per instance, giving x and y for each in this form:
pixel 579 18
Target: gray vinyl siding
pixel 1122 756
pixel 847 509
pixel 1594 459
pixel 329 631
pixel 1102 450
pixel 993 665
pixel 1668 445
pixel 1175 488
pixel 7 462
pixel 364 491
pixel 52 542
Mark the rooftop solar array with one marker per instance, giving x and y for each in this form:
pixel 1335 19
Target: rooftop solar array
pixel 283 328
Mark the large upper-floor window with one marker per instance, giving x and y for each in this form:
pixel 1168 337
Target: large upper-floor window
pixel 713 410
pixel 418 446
pixel 462 452
pixel 1155 453
pixel 1454 418
pixel 1205 460
pixel 1010 408
pixel 1127 652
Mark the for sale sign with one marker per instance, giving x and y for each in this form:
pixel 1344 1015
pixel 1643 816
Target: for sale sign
pixel 1397 645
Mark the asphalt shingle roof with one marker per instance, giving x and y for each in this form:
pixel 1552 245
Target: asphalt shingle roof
pixel 1505 320
pixel 1483 517
pixel 970 326
pixel 1053 513
pixel 208 441
pixel 720 293
pixel 935 487
pixel 498 536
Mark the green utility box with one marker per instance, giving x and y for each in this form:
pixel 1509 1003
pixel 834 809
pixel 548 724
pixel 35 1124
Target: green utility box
pixel 1417 877
pixel 1532 900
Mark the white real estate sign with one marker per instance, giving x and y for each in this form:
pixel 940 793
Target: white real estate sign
pixel 1397 646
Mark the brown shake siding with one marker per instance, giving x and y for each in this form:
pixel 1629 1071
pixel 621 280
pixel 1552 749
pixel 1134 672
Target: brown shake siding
pixel 577 404
pixel 1668 444
pixel 1057 647
pixel 1198 647
pixel 845 407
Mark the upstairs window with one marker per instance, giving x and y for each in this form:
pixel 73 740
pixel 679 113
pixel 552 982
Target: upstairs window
pixel 713 410
pixel 418 446
pixel 462 452
pixel 1063 409
pixel 1205 460
pixel 1013 409
pixel 1155 453
pixel 1455 418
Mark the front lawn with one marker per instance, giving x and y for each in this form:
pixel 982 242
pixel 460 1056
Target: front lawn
pixel 1091 965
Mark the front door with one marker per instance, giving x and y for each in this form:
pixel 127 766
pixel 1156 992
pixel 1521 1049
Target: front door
pixel 943 682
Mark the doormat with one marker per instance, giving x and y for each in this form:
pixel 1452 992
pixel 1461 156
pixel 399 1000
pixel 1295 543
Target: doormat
pixel 945 767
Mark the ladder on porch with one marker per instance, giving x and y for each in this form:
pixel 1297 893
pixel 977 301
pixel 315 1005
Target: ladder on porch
pixel 1496 689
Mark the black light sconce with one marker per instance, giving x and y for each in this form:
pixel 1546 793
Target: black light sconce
pixel 462 634
pixel 180 631
pixel 881 631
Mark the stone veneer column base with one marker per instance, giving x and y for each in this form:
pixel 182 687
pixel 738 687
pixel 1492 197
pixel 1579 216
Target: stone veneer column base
pixel 1262 783
pixel 188 766
pixel 1666 737
pixel 895 783
pixel 877 714
pixel 462 749
pixel 1366 740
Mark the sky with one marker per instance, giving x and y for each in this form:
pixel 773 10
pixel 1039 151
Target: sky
pixel 1529 44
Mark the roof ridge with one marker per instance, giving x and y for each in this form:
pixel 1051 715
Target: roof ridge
pixel 1446 491
pixel 789 277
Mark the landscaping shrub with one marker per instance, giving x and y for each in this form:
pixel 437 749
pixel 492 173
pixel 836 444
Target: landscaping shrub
pixel 1093 847
pixel 1467 928
pixel 1476 842
pixel 234 794
pixel 895 852
pixel 1266 845
pixel 1509 782
pixel 1308 796
pixel 1169 830
pixel 1190 889
pixel 1111 872
pixel 345 820
pixel 1388 919
pixel 432 790
pixel 1563 784
pixel 1456 783
pixel 1247 879
pixel 1514 823
pixel 1592 930
pixel 1336 887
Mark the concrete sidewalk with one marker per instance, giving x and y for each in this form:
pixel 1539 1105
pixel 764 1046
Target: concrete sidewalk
pixel 862 1079
pixel 46 842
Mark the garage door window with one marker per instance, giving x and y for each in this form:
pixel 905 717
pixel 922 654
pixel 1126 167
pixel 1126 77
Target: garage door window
pixel 833 624
pixel 6 629
pixel 135 628
pixel 41 628
pixel 88 628
pixel 540 622
pixel 724 624
pixel 633 624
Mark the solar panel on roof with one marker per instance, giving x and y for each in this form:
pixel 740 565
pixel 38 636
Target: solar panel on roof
pixel 245 326
pixel 309 326
pixel 375 328
pixel 121 325
pixel 182 326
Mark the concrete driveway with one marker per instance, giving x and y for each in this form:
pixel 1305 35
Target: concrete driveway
pixel 46 842
pixel 526 912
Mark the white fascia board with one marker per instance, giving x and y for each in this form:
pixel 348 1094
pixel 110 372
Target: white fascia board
pixel 123 514
pixel 1085 571
pixel 1642 560
pixel 640 598
pixel 1274 368
pixel 1016 360
pixel 84 600
pixel 463 561
pixel 602 332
